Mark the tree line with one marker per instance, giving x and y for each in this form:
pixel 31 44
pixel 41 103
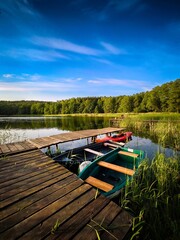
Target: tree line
pixel 164 98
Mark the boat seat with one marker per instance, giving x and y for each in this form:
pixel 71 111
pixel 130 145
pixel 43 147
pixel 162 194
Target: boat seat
pixel 130 154
pixel 117 168
pixel 106 187
pixel 93 151
pixel 111 145
pixel 117 143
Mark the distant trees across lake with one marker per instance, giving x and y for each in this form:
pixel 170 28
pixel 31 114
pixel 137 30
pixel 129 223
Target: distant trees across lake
pixel 164 98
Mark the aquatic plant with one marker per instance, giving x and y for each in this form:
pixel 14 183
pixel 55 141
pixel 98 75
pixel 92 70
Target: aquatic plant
pixel 164 130
pixel 7 136
pixel 153 199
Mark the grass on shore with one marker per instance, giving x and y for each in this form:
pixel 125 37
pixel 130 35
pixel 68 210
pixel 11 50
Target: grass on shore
pixel 153 198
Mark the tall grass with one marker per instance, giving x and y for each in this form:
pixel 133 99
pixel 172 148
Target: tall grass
pixel 153 198
pixel 166 132
pixel 7 136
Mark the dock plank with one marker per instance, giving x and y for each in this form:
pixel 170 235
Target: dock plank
pixel 38 205
pixel 119 227
pixel 13 148
pixel 27 224
pixel 64 180
pixel 104 218
pixel 71 136
pixel 74 224
pixel 36 191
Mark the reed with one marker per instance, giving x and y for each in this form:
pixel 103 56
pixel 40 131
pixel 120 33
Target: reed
pixel 7 136
pixel 165 132
pixel 153 198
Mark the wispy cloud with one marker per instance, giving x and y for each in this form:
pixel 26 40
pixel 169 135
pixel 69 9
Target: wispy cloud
pixel 8 75
pixel 34 54
pixel 105 61
pixel 130 83
pixel 112 49
pixel 61 44
pixel 17 7
pixel 27 82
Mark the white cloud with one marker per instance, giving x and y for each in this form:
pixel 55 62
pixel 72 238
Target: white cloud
pixel 37 83
pixel 34 54
pixel 129 83
pixel 61 44
pixel 8 75
pixel 105 61
pixel 94 81
pixel 111 49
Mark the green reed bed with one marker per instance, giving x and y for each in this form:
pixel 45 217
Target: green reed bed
pixel 153 198
pixel 168 134
pixel 166 131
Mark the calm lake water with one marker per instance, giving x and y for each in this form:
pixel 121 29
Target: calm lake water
pixel 13 129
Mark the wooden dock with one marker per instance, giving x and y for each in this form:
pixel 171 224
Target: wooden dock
pixel 43 142
pixel 40 199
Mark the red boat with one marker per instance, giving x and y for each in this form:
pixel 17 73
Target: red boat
pixel 122 137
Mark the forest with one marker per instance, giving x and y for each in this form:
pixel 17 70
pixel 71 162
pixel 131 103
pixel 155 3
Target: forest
pixel 164 98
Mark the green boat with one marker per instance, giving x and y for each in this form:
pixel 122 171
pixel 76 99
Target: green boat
pixel 110 172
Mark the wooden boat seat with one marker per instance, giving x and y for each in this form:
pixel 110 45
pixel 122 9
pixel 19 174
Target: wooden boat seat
pixel 106 187
pixel 93 151
pixel 117 143
pixel 130 154
pixel 116 168
pixel 111 145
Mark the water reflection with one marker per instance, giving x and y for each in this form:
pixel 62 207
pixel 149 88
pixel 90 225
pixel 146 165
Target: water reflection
pixel 13 129
pixel 150 147
pixel 62 123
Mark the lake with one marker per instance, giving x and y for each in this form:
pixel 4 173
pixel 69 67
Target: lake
pixel 14 129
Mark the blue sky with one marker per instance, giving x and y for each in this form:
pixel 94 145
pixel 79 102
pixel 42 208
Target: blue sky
pixel 59 49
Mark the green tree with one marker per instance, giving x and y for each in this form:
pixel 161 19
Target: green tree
pixel 153 101
pixel 126 104
pixel 174 97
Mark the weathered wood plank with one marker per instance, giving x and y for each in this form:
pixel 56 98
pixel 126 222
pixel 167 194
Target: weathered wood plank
pixel 63 214
pixel 70 136
pixel 4 148
pixel 64 180
pixel 32 190
pixel 68 229
pixel 21 168
pixel 13 148
pixel 37 218
pixel 30 181
pixel 38 205
pixel 20 159
pixel 36 191
pixel 105 217
pixel 119 227
pixel 26 176
pixel 26 185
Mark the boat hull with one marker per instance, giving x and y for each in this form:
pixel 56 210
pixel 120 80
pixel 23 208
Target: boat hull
pixel 113 177
pixel 122 137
